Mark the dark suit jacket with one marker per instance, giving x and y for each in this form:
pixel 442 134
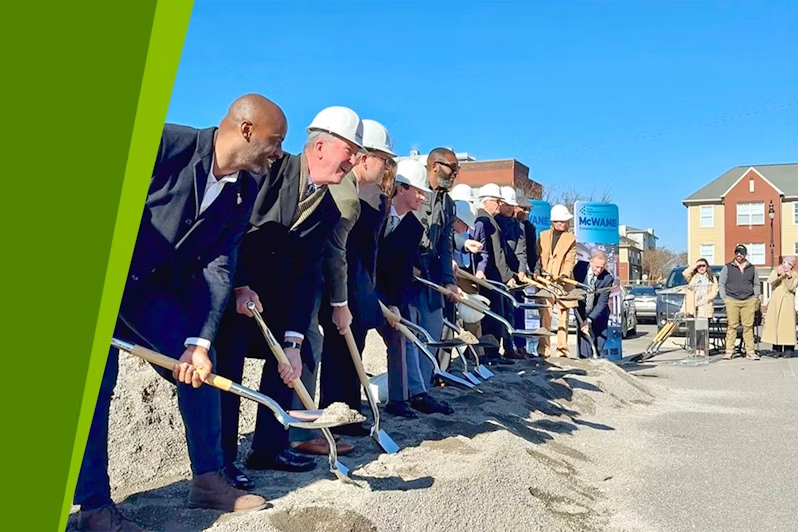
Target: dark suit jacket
pixel 437 216
pixel 282 263
pixel 179 253
pixel 491 259
pixel 531 239
pixel 514 241
pixel 600 314
pixel 361 259
pixel 396 255
pixel 335 250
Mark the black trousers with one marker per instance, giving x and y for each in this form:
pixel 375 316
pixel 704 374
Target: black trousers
pixel 339 381
pixel 238 338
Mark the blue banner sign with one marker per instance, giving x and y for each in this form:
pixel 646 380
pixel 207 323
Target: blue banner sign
pixel 596 223
pixel 540 215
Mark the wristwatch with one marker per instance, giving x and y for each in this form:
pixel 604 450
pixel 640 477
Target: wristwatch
pixel 291 345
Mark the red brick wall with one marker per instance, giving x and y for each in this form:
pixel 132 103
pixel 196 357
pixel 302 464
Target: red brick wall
pixel 763 193
pixel 623 272
pixel 506 172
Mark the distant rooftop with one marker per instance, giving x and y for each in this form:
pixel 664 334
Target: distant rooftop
pixel 782 176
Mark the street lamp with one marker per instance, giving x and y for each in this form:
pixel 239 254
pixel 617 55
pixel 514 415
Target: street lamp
pixel 771 215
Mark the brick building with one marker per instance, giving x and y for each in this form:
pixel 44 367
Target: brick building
pixel 503 172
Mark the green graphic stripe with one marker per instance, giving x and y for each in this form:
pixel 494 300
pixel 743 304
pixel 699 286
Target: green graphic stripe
pixel 166 30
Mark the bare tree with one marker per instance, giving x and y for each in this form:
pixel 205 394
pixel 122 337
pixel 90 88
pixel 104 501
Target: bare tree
pixel 658 263
pixel 556 194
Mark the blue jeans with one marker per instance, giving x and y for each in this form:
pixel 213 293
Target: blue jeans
pixel 199 407
pixel 419 367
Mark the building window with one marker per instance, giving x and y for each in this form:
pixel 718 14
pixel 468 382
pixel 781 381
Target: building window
pixel 795 248
pixel 750 214
pixel 707 251
pixel 795 213
pixel 756 254
pixel 707 216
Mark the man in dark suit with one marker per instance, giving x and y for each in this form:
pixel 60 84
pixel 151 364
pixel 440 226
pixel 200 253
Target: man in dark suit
pixel 492 262
pixel 530 241
pixel 180 279
pixel 513 239
pixel 434 264
pixel 281 262
pixel 397 251
pixel 594 310
pixel 346 284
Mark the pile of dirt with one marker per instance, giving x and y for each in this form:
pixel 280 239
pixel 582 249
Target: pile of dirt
pixel 511 458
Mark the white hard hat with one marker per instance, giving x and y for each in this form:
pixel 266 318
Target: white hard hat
pixel 411 172
pixel 521 198
pixel 490 190
pixel 559 213
pixel 464 213
pixel 462 192
pixel 508 196
pixel 375 137
pixel 340 121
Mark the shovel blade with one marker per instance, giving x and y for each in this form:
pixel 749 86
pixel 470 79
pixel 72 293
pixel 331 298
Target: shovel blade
pixel 385 441
pixel 454 379
pixel 484 372
pixel 342 473
pixel 470 376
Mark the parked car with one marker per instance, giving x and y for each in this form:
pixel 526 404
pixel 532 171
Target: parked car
pixel 628 316
pixel 669 304
pixel 645 302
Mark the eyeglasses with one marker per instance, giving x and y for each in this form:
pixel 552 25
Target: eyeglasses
pixel 455 168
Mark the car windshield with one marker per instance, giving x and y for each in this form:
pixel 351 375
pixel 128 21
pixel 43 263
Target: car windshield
pixel 677 279
pixel 643 291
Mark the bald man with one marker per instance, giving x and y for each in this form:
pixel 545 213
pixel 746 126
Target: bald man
pixel 198 206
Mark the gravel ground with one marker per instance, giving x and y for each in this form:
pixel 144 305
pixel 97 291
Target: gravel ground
pixel 572 445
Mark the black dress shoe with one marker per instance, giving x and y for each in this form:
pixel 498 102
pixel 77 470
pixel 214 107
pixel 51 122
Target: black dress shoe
pixel 426 404
pixel 497 361
pixel 285 460
pixel 512 354
pixel 236 478
pixel 356 430
pixel 399 408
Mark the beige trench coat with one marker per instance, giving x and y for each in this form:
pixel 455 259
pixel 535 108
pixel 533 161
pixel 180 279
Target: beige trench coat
pixel 780 318
pixel 707 310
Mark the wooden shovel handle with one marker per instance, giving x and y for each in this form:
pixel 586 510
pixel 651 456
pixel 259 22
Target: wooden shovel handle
pixel 407 333
pixel 169 363
pixel 355 353
pixel 461 299
pixel 474 279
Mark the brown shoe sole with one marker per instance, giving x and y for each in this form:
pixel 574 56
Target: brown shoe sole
pixel 320 448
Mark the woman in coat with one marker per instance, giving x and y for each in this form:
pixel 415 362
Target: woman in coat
pixel 780 320
pixel 699 300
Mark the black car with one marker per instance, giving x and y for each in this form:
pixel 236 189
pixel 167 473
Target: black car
pixel 668 305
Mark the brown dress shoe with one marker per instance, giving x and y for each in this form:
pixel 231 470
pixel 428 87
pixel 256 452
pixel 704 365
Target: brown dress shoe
pixel 212 491
pixel 106 519
pixel 319 447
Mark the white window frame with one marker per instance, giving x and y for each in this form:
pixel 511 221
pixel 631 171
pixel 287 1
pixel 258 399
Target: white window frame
pixel 747 210
pixel 795 248
pixel 710 257
pixel 702 215
pixel 795 213
pixel 751 255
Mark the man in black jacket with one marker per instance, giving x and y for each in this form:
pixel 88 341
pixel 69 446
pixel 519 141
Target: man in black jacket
pixel 281 260
pixel 513 240
pixel 434 264
pixel 739 289
pixel 594 310
pixel 396 253
pixel 199 200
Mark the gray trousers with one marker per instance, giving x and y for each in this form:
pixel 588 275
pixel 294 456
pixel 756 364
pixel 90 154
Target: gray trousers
pixel 420 368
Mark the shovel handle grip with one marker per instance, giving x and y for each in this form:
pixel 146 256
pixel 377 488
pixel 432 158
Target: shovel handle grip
pixel 353 351
pixel 169 363
pixel 460 299
pixel 474 279
pixel 397 319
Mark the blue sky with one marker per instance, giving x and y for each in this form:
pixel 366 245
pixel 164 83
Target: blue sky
pixel 651 99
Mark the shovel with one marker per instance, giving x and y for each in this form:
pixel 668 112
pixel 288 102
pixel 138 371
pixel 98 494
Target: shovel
pixel 499 289
pixel 430 342
pixel 589 290
pixel 379 435
pixel 302 419
pixel 336 467
pixel 523 333
pixel 437 371
pixel 481 370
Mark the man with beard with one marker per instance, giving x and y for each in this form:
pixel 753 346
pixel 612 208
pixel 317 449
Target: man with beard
pixel 281 259
pixel 492 264
pixel 180 279
pixel 346 265
pixel 434 263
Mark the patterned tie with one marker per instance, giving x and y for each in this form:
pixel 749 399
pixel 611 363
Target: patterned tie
pixel 590 299
pixel 310 190
pixel 393 221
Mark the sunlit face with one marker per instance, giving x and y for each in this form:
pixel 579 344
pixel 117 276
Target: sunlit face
pixel 597 265
pixel 264 146
pixel 561 226
pixel 492 206
pixel 333 159
pixel 373 165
